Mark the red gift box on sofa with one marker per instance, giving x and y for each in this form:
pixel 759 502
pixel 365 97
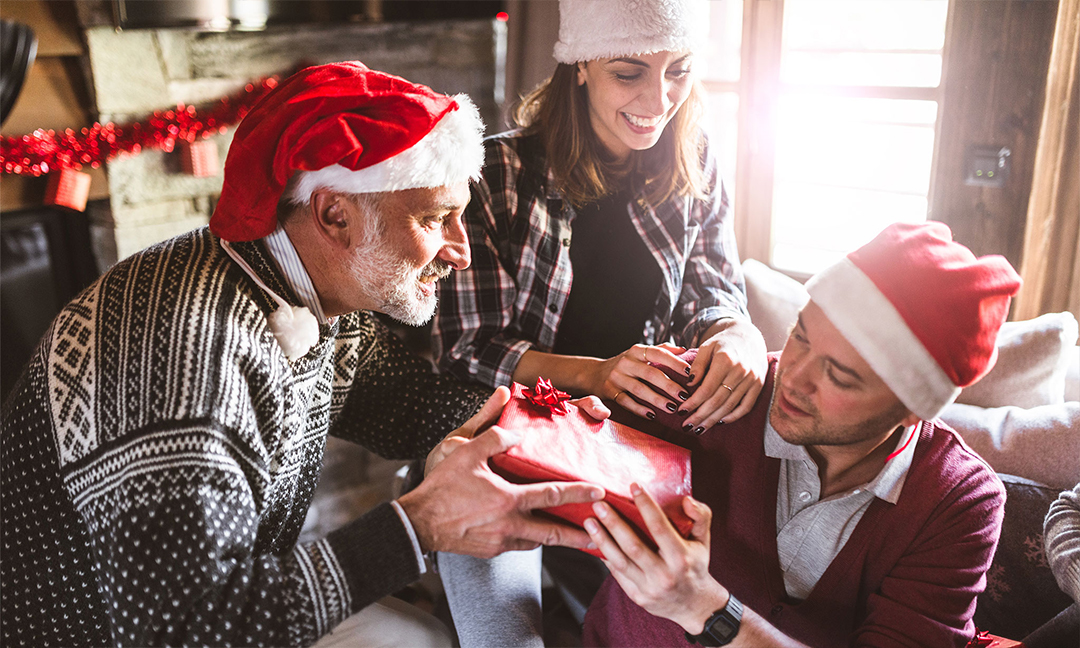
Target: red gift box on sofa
pixel 562 443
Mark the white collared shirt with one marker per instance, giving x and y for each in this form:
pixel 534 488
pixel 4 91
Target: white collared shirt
pixel 812 531
pixel 296 275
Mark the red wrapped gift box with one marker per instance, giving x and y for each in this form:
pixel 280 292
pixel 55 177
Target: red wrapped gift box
pixel 572 446
pixel 199 158
pixel 68 188
pixel 984 639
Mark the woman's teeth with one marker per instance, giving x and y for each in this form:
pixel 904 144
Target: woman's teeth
pixel 641 122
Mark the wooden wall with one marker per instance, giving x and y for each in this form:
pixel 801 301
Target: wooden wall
pixel 55 95
pixel 995 77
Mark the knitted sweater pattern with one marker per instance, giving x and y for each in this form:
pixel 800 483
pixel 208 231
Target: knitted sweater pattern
pixel 160 453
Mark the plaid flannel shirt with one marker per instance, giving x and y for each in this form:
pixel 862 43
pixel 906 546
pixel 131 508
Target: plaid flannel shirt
pixel 511 298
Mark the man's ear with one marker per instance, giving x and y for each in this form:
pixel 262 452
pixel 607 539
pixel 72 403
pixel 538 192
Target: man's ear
pixel 330 213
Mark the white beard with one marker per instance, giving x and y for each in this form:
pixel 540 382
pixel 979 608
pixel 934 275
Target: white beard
pixel 393 284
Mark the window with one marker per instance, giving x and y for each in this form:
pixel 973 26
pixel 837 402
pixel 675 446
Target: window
pixel 836 133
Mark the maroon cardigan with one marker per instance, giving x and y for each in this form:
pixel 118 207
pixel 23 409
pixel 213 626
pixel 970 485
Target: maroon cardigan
pixel 908 575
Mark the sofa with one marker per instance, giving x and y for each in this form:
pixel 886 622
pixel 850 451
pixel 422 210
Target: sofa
pixel 1023 418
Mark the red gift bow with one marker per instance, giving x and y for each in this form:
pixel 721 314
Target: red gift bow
pixel 981 638
pixel 545 395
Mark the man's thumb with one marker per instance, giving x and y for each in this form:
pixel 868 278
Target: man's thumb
pixel 489 413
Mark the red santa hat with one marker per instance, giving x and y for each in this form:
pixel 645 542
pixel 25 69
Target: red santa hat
pixel 921 309
pixel 348 128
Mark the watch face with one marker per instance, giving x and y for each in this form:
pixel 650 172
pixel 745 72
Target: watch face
pixel 723 629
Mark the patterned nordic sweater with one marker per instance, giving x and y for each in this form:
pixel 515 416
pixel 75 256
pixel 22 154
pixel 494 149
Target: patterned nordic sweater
pixel 159 455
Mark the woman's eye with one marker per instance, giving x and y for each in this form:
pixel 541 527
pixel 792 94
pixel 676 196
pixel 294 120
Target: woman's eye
pixel 627 77
pixel 678 74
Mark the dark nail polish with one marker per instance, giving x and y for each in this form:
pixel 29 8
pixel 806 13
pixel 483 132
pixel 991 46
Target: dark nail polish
pixel 682 412
pixel 687 370
pixel 719 422
pixel 684 395
pixel 671 406
pixel 650 415
pixel 699 430
pixel 691 377
pixel 688 428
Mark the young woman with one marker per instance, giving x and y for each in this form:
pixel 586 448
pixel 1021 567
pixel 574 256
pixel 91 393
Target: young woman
pixel 601 233
pixel 601 243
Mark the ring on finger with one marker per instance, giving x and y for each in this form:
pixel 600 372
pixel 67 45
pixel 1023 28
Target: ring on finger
pixel 645 355
pixel 727 388
pixel 615 399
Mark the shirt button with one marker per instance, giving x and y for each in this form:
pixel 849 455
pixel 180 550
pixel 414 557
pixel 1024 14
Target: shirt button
pixel 805 496
pixel 553 308
pixel 566 242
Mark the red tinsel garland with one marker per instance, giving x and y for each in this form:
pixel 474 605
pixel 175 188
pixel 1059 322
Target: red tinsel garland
pixel 43 151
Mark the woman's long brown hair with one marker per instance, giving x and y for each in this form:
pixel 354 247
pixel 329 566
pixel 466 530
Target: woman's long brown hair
pixel 584 171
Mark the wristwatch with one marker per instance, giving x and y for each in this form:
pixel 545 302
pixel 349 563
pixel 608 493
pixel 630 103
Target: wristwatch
pixel 722 626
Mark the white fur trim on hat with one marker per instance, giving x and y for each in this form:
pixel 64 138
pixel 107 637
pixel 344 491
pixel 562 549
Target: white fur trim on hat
pixel 869 321
pixel 452 152
pixel 595 29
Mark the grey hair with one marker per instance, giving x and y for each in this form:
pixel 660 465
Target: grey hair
pixel 369 203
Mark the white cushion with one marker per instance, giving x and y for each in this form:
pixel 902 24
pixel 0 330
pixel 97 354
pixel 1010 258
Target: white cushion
pixel 1072 376
pixel 1041 443
pixel 774 301
pixel 1033 358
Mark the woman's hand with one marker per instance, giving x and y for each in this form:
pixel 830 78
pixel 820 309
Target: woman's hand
pixel 728 374
pixel 630 374
pixel 673 582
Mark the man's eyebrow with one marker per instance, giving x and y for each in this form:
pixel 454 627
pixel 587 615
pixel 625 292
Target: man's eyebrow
pixel 842 368
pixel 440 208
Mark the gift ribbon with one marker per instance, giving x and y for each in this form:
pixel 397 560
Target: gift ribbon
pixel 545 395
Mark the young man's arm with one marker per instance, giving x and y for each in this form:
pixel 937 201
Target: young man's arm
pixel 673 582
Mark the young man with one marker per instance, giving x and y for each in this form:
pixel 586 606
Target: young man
pixel 841 512
pixel 161 449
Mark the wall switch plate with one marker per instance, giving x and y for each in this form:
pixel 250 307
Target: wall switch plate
pixel 986 166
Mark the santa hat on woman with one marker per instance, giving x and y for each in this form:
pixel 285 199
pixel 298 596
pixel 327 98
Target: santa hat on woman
pixel 595 29
pixel 348 128
pixel 921 309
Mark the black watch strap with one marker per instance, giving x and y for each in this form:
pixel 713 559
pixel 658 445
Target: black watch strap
pixel 722 626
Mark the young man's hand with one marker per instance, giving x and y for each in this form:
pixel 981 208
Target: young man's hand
pixel 673 582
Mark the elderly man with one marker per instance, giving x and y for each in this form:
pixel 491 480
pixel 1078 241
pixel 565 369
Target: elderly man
pixel 161 449
pixel 841 512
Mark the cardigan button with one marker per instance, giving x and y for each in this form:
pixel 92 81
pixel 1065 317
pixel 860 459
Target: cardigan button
pixel 566 242
pixel 554 308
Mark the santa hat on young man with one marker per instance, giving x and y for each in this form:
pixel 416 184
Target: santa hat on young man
pixel 921 309
pixel 347 128
pixel 595 29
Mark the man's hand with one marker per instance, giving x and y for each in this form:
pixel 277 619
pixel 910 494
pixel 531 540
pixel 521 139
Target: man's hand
pixel 728 373
pixel 674 582
pixel 463 507
pixel 489 414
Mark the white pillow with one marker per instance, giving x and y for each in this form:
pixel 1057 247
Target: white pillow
pixel 1033 358
pixel 1041 443
pixel 774 301
pixel 1072 375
